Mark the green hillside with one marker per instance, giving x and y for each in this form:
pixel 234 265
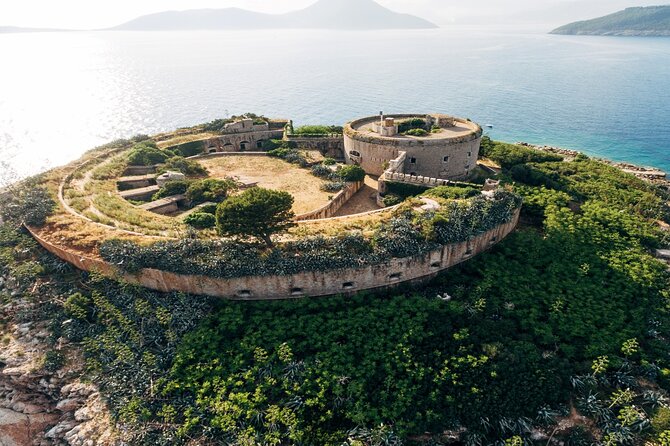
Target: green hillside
pixel 641 21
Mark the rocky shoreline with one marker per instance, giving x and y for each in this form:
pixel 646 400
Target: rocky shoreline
pixel 650 174
pixel 39 406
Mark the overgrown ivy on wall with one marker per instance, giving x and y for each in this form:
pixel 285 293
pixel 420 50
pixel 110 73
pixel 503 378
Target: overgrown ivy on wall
pixel 409 233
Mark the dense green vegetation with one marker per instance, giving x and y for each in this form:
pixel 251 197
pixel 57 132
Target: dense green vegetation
pixel 510 155
pixel 570 313
pixel 640 21
pixel 317 130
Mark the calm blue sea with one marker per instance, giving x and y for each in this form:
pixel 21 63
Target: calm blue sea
pixel 61 94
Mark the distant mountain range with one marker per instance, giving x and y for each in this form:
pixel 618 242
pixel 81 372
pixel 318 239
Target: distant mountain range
pixel 17 29
pixel 640 21
pixel 324 14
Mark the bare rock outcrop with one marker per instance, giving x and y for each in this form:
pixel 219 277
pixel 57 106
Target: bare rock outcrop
pixel 40 407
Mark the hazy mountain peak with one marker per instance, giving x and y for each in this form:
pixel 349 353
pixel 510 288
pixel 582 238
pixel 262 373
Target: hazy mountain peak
pixel 325 14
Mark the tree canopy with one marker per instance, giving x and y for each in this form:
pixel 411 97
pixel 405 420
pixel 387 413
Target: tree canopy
pixel 256 212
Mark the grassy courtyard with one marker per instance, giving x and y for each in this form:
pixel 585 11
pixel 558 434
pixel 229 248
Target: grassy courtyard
pixel 272 173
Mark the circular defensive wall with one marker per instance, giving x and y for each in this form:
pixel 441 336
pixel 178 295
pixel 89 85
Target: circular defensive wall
pixel 95 228
pixel 437 146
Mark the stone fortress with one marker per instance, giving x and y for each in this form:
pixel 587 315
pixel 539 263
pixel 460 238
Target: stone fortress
pixel 449 149
pixel 423 150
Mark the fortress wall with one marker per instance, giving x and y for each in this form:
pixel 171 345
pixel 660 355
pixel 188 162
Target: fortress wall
pixel 430 159
pixel 330 209
pixel 233 142
pixel 316 283
pixel 429 154
pixel 330 147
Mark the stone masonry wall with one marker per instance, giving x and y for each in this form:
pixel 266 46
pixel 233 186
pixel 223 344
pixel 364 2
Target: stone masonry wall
pixel 335 204
pixel 314 283
pixel 425 156
pixel 330 147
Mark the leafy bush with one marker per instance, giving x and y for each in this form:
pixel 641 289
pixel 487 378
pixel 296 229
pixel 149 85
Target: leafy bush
pixel 392 200
pixel 329 162
pixel 333 186
pixel 322 171
pixel 453 192
pixel 351 173
pixel 172 188
pixel 209 208
pixel 411 124
pixel 416 132
pixel 295 157
pixel 201 220
pixel 404 190
pixel 209 190
pixel 188 149
pixel 147 153
pixel 187 167
pixel 289 155
pixel 256 212
pixel 53 361
pixel 322 130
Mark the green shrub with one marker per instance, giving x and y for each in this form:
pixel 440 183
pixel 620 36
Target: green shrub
pixel 333 186
pixel 404 190
pixel 289 155
pixel 209 190
pixel 314 130
pixel 453 192
pixel 188 149
pixel 201 220
pixel 322 171
pixel 660 422
pixel 172 188
pixel 53 361
pixel 411 124
pixel 416 132
pixel 392 200
pixel 209 208
pixel 329 162
pixel 351 173
pixel 272 144
pixel 77 306
pixel 185 166
pixel 147 154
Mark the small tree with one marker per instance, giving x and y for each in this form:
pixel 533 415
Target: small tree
pixel 256 212
pixel 352 173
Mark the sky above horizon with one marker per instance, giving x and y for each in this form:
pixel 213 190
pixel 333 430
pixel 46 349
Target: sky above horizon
pixel 85 14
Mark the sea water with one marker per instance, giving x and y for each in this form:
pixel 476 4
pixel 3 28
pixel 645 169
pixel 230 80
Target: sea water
pixel 63 93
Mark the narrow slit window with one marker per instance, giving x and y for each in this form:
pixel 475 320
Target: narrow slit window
pixel 395 276
pixel 348 285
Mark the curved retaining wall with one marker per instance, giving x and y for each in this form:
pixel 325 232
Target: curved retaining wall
pixel 334 205
pixel 314 283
